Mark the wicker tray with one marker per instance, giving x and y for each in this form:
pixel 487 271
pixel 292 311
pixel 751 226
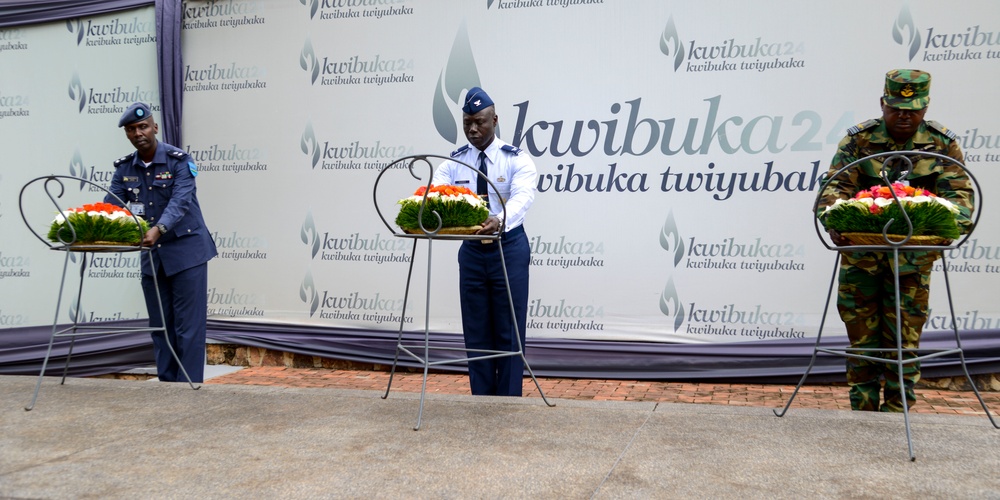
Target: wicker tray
pixel 447 230
pixel 878 239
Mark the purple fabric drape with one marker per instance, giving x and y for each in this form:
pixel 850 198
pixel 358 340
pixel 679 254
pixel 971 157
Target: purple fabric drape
pixel 776 361
pixel 21 12
pixel 169 15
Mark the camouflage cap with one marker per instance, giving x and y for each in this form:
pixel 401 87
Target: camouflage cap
pixel 907 89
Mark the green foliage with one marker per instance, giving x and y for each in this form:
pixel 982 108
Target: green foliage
pixel 454 213
pixel 90 229
pixel 930 219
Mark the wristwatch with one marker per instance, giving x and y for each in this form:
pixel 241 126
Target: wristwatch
pixel 162 229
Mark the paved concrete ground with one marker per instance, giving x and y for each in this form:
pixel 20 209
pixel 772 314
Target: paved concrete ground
pixel 829 397
pixel 106 438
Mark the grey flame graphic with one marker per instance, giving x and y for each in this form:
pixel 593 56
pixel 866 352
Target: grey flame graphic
pixel 670 304
pixel 75 311
pixel 309 145
pixel 670 238
pixel 76 91
pixel 78 29
pixel 489 3
pixel 308 293
pixel 307 60
pixel 670 43
pixel 905 22
pixel 313 6
pixel 460 74
pixel 77 169
pixel 309 234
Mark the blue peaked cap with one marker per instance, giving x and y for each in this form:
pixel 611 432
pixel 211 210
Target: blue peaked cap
pixel 476 100
pixel 137 112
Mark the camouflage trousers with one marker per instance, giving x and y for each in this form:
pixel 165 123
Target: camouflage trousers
pixel 866 300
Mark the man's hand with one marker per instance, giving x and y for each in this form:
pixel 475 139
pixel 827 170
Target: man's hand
pixel 149 239
pixel 490 226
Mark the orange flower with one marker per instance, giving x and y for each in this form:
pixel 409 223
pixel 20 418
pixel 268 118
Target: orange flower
pixel 444 190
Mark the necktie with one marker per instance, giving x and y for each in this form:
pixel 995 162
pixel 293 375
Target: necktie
pixel 481 183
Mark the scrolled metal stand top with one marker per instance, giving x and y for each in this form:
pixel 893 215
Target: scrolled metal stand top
pixel 408 163
pixel 56 181
pixel 907 158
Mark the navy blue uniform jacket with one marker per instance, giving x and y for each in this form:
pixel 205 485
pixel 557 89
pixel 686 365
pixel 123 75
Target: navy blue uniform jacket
pixel 167 191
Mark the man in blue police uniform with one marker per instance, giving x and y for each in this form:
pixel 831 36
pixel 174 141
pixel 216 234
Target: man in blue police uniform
pixel 486 318
pixel 156 182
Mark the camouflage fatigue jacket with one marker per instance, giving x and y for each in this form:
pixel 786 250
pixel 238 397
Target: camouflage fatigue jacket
pixel 938 176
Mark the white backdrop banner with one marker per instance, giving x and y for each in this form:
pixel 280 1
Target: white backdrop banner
pixel 679 147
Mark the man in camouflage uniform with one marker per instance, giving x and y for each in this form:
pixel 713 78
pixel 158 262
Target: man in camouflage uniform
pixel 866 295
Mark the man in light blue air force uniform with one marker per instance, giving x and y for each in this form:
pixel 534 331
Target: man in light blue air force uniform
pixel 486 317
pixel 156 182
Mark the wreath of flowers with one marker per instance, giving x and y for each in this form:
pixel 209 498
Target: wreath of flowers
pixel 870 210
pixel 458 207
pixel 97 223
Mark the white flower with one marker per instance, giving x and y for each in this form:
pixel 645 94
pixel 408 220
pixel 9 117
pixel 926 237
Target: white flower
pixel 951 206
pixel 883 202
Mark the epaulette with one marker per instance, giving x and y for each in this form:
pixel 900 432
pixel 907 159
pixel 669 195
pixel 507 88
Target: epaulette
pixel 941 128
pixel 459 151
pixel 124 159
pixel 510 149
pixel 177 153
pixel 862 126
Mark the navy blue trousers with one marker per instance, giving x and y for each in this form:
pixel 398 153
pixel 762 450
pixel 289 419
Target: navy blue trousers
pixel 486 311
pixel 185 309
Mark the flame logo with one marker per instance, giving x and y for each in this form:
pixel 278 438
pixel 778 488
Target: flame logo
pixel 904 22
pixel 309 234
pixel 489 3
pixel 307 60
pixel 76 91
pixel 309 145
pixel 670 238
pixel 74 310
pixel 313 7
pixel 670 304
pixel 77 168
pixel 460 74
pixel 670 43
pixel 308 293
pixel 78 28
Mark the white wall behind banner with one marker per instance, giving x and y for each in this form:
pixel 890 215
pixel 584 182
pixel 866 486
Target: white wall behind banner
pixel 678 146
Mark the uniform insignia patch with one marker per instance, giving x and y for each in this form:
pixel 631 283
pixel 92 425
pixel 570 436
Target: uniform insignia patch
pixel 124 159
pixel 511 149
pixel 942 129
pixel 862 126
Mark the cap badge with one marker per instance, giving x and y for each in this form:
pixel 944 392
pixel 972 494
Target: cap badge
pixel 907 91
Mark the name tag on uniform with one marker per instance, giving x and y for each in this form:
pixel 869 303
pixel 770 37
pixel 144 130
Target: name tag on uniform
pixel 461 182
pixel 126 178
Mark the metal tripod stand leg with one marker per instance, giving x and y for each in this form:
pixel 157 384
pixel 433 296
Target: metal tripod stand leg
pixel 163 322
pixel 958 342
pixel 52 338
pixel 517 332
pixel 402 320
pixel 819 336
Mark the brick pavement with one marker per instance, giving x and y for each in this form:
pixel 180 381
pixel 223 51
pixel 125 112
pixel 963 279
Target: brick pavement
pixel 833 397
